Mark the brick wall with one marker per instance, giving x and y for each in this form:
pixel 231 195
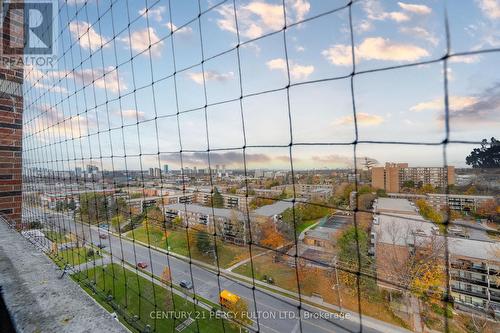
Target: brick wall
pixel 11 107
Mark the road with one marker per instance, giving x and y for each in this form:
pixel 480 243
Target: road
pixel 277 313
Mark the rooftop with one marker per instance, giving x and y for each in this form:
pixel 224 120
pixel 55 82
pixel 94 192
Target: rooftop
pixel 223 212
pixel 395 205
pixel 274 209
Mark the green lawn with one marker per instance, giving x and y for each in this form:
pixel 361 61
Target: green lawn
pixel 76 256
pixel 283 275
pixel 125 287
pixel 55 236
pixel 301 227
pixel 177 242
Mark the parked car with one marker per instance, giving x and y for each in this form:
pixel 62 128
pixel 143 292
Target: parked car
pixel 103 236
pixel 142 265
pixel 186 284
pixel 101 246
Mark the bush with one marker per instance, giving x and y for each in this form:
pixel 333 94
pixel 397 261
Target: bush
pixel 439 310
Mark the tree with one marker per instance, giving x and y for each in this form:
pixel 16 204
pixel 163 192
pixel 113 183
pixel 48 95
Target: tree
pixel 177 221
pixel 204 243
pixel 488 156
pixel 271 237
pixel 427 188
pixel 409 184
pixel 217 199
pixel 154 218
pixel 489 209
pixel 119 206
pixel 72 204
pixel 420 269
pixel 472 190
pixel 166 277
pixel 60 206
pixel 428 212
pixel 353 255
pixel 93 207
pixel 239 312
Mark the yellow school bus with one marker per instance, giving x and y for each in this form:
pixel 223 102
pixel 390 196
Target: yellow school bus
pixel 228 299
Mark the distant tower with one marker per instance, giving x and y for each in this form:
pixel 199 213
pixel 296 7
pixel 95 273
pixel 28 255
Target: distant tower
pixel 165 168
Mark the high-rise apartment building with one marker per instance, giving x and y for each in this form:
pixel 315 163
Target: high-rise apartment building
pixel 392 176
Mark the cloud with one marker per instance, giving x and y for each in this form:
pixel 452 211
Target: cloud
pixel 87 37
pixel 184 30
pixel 301 8
pixel 257 17
pixel 363 119
pixel 130 114
pixel 111 81
pixel 55 124
pixel 468 59
pixel 297 72
pixel 378 48
pixel 153 13
pixel 49 87
pixel 483 108
pixel 227 158
pixel 490 8
pixel 455 103
pixel 374 48
pixel 375 12
pixel 338 54
pixel 36 77
pixel 103 79
pixel 421 33
pixel 333 159
pixel 271 16
pixel 211 76
pixel 141 40
pixel 415 9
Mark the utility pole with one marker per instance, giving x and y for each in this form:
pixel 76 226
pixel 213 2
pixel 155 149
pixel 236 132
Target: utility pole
pixel 337 285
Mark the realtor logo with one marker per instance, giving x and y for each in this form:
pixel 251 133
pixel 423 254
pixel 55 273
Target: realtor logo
pixel 29 27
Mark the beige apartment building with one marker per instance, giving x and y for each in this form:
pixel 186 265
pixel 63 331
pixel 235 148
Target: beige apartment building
pixel 392 176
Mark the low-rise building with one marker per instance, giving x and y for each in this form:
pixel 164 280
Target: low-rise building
pixel 474 261
pixel 229 224
pixel 458 202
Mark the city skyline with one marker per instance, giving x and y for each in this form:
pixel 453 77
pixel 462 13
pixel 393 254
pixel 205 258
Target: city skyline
pixel 401 105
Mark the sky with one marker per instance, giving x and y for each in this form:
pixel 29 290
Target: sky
pixel 184 76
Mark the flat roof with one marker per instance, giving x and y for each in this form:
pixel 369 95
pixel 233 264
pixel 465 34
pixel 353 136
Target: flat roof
pixel 398 229
pixel 274 209
pixel 473 248
pixel 224 212
pixel 393 204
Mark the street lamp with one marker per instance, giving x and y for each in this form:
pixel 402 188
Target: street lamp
pixel 337 285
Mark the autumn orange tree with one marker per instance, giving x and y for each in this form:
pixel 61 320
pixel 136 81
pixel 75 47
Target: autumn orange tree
pixel 489 209
pixel 166 278
pixel 239 312
pixel 271 237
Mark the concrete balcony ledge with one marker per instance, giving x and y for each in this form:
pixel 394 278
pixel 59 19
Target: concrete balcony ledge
pixel 37 299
